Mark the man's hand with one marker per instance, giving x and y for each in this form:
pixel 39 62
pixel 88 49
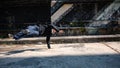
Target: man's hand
pixel 53 31
pixel 60 31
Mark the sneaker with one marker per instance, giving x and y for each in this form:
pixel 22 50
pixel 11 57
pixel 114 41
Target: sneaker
pixel 10 36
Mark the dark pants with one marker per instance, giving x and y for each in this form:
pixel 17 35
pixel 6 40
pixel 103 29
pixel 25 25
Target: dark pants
pixel 28 32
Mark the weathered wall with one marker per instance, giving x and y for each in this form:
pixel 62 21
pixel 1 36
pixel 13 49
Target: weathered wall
pixel 17 14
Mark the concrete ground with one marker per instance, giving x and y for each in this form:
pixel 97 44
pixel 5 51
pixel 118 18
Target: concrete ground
pixel 68 55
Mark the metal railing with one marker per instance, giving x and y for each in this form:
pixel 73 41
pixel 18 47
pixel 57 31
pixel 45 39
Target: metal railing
pixel 106 14
pixel 65 13
pixel 75 31
pixel 101 11
pixel 56 7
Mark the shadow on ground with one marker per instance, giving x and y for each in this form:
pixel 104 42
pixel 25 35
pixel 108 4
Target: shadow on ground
pixel 20 51
pixel 77 61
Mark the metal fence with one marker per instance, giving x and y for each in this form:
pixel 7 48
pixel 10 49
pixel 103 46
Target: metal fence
pixel 74 31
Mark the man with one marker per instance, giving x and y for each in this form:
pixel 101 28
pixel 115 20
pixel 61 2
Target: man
pixel 37 30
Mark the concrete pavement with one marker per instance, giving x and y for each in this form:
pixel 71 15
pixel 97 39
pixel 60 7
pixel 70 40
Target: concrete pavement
pixel 67 55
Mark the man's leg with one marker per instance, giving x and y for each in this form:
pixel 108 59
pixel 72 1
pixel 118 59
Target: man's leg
pixel 26 33
pixel 48 42
pixel 30 31
pixel 19 35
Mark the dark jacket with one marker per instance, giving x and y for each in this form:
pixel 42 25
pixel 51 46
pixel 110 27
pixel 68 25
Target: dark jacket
pixel 45 30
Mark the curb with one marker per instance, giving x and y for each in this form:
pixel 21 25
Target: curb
pixel 64 39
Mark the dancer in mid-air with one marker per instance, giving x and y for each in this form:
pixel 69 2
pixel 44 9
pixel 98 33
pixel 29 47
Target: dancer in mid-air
pixel 37 30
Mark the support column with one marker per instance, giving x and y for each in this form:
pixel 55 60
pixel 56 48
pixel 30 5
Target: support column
pixel 96 8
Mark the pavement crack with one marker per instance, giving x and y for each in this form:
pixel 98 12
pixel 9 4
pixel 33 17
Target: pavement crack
pixel 111 47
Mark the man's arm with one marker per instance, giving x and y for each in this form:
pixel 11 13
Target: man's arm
pixel 55 27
